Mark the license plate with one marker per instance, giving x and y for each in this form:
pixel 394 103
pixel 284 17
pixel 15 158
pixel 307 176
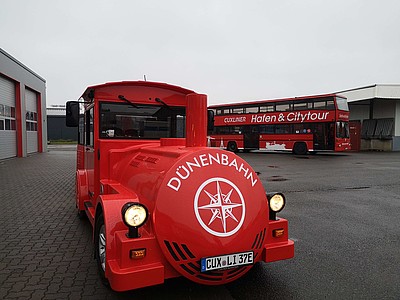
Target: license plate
pixel 227 261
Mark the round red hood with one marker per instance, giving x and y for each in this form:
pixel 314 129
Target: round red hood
pixel 210 203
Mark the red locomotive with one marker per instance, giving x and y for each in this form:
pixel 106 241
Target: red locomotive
pixel 161 203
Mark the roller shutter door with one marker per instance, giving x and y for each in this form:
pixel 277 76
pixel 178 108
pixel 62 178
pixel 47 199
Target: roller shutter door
pixel 8 133
pixel 31 121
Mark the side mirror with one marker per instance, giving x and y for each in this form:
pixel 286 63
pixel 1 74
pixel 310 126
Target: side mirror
pixel 72 114
pixel 210 120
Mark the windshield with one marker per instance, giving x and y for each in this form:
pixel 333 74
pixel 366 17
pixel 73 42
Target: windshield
pixel 342 104
pixel 124 121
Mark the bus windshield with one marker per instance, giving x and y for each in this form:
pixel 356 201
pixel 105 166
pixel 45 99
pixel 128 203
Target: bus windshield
pixel 126 121
pixel 342 104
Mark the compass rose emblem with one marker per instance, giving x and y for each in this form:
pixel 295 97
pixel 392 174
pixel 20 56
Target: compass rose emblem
pixel 219 207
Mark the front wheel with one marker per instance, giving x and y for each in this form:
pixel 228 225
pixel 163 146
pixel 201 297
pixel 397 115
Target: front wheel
pixel 100 248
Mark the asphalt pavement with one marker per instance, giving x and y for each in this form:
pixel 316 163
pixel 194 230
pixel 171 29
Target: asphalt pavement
pixel 343 212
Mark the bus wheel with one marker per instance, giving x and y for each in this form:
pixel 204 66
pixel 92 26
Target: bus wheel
pixel 300 148
pixel 100 248
pixel 232 147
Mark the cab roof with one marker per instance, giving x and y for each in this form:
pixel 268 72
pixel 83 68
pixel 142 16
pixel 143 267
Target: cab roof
pixel 137 90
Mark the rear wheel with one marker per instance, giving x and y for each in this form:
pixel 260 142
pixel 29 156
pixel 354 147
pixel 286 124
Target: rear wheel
pixel 232 147
pixel 300 148
pixel 100 248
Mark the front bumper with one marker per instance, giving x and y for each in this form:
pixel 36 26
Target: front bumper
pixel 278 248
pixel 124 273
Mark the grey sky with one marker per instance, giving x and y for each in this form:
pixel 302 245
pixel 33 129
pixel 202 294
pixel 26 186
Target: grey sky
pixel 230 50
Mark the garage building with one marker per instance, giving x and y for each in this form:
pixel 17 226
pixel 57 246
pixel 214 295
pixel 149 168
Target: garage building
pixel 374 117
pixel 22 109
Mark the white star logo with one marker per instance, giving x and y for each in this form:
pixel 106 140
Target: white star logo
pixel 221 205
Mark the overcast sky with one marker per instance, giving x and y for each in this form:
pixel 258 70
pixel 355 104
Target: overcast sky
pixel 230 50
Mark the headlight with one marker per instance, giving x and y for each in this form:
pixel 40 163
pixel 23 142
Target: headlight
pixel 276 202
pixel 134 214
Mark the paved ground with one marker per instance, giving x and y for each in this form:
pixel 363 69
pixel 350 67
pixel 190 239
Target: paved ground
pixel 42 244
pixel 343 212
pixel 45 249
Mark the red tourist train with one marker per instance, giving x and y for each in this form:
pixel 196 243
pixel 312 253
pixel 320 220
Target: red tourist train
pixel 161 203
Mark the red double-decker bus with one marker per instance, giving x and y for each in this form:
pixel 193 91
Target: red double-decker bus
pixel 301 125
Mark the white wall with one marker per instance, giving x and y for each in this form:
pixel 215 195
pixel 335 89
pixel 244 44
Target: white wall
pixel 359 111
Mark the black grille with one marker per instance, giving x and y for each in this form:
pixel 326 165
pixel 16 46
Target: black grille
pixel 190 264
pixel 259 240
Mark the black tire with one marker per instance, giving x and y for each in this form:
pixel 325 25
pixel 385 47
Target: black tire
pixel 300 149
pixel 100 248
pixel 232 147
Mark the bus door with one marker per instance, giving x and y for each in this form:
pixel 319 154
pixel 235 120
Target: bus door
pixel 324 136
pixel 251 137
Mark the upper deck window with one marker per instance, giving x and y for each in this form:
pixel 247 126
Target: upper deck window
pixel 283 107
pixel 303 105
pixel 267 108
pixel 237 110
pixel 124 121
pixel 251 110
pixel 318 104
pixel 330 104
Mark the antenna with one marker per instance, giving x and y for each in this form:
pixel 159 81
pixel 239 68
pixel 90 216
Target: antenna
pixel 144 76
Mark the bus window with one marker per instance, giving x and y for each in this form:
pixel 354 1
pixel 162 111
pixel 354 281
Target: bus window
pixel 301 105
pixel 267 129
pixel 251 110
pixel 237 110
pixel 330 104
pixel 236 130
pixel 302 128
pixel 283 128
pixel 228 130
pixel 319 104
pixel 267 108
pixel 282 107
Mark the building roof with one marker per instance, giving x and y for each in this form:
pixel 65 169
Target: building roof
pixel 2 51
pixel 381 91
pixel 56 110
